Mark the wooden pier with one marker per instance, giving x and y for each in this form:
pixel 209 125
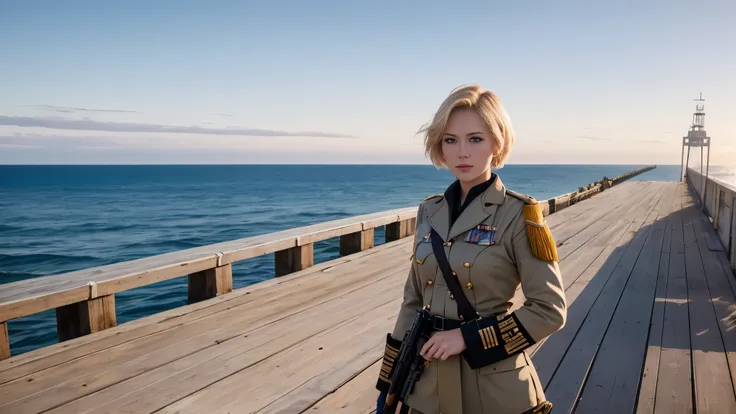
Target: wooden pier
pixel 651 322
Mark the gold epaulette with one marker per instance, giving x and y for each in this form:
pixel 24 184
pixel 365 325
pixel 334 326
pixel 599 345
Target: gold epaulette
pixel 540 237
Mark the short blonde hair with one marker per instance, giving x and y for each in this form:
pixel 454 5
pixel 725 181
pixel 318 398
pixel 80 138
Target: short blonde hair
pixel 490 109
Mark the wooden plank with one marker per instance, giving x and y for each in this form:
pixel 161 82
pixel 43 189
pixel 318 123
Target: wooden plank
pixel 585 292
pixel 587 206
pixel 595 209
pixel 648 387
pixel 279 382
pixel 321 276
pixel 579 253
pixel 85 317
pixel 713 386
pixel 294 259
pixel 674 383
pixel 4 341
pixel 619 212
pixel 154 351
pixel 614 378
pixel 564 387
pixel 140 389
pixel 357 396
pixel 161 321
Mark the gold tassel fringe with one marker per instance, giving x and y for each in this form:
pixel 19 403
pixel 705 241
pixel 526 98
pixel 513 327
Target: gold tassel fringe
pixel 540 237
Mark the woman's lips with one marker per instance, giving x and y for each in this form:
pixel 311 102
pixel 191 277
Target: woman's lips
pixel 464 167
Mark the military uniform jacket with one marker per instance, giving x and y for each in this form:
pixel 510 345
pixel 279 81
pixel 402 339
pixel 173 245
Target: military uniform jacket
pixel 488 247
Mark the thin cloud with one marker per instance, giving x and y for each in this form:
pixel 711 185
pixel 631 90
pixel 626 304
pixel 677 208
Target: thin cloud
pixel 592 138
pixel 71 110
pixel 222 114
pixel 59 142
pixel 92 125
pixel 650 141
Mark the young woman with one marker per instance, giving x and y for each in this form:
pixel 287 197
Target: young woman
pixel 494 240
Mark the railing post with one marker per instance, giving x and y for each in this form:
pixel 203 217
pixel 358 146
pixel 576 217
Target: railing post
pixel 294 259
pixel 400 229
pixel 356 242
pixel 86 317
pixel 210 283
pixel 4 341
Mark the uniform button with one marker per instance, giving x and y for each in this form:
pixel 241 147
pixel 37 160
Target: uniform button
pixel 469 285
pixel 429 282
pixel 420 261
pixel 449 243
pixel 466 264
pixel 454 274
pixel 452 296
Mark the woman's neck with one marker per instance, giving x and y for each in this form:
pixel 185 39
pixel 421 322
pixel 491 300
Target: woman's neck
pixel 466 186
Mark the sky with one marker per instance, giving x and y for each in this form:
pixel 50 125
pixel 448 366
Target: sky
pixel 322 82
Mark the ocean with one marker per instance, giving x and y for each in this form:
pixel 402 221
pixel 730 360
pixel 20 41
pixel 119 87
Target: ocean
pixel 57 219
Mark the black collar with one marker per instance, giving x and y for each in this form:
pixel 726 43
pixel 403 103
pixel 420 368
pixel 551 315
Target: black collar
pixel 454 192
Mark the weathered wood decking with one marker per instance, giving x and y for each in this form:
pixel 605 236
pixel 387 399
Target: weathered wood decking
pixel 651 328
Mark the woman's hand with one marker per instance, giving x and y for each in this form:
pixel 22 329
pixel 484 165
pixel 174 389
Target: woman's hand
pixel 443 344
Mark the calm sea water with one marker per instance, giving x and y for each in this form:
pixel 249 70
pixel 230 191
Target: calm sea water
pixel 56 219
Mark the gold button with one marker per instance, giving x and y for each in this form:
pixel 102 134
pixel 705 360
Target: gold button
pixel 454 274
pixel 469 285
pixel 449 243
pixel 429 282
pixel 466 264
pixel 420 261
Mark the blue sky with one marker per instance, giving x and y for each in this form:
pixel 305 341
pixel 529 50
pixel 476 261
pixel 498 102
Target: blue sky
pixel 352 82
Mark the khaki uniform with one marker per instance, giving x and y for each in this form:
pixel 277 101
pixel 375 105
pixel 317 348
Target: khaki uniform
pixel 502 378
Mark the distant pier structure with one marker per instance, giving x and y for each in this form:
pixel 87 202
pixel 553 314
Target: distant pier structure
pixel 698 138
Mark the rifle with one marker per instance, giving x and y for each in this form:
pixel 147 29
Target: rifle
pixel 409 363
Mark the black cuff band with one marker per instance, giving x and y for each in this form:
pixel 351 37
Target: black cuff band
pixel 390 354
pixel 490 340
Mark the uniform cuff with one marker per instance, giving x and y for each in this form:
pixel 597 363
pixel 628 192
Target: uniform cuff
pixel 390 353
pixel 490 340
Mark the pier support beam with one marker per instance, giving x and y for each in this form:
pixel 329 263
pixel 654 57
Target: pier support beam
pixel 86 317
pixel 400 229
pixel 294 259
pixel 356 242
pixel 4 341
pixel 210 283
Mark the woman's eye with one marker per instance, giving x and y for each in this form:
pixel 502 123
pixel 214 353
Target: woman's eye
pixel 476 139
pixel 449 140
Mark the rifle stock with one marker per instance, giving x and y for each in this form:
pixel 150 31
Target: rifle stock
pixel 409 363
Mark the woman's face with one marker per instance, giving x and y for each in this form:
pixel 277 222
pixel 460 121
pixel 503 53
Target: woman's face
pixel 467 146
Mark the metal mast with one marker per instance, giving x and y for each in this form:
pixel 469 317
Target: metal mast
pixel 696 137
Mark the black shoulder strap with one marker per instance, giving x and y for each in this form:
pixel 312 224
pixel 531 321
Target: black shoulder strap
pixel 463 305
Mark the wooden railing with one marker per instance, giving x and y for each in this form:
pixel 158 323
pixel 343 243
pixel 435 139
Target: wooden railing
pixel 717 198
pixel 566 200
pixel 84 300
